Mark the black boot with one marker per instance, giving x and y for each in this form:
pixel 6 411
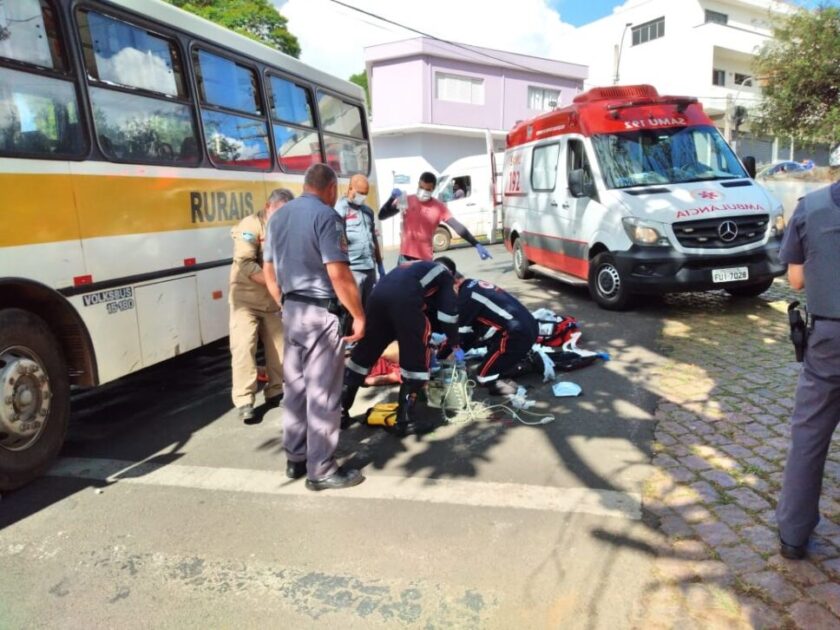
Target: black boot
pixel 348 395
pixel 406 422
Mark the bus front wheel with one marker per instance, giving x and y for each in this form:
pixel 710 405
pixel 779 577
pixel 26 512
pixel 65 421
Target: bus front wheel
pixel 34 398
pixel 606 285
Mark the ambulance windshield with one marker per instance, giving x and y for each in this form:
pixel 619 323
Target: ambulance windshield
pixel 665 156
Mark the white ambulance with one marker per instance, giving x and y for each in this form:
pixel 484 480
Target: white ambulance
pixel 634 193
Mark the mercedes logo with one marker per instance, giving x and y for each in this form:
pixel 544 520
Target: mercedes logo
pixel 727 231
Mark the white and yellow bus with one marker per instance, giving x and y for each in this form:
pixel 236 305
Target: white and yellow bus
pixel 132 136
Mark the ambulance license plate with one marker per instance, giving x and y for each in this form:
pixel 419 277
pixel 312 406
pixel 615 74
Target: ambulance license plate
pixel 733 274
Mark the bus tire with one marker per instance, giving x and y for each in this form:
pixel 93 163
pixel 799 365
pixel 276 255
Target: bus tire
pixel 606 286
pixel 441 239
pixel 34 398
pixel 521 264
pixel 750 290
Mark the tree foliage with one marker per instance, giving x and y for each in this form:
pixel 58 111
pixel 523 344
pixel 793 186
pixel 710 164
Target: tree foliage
pixel 800 72
pixel 361 80
pixel 257 19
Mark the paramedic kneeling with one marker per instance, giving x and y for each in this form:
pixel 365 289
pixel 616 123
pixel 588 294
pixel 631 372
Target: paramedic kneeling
pixel 810 247
pixel 501 323
pixel 397 310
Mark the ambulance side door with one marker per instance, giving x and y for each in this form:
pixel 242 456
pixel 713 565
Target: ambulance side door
pixel 544 220
pixel 574 207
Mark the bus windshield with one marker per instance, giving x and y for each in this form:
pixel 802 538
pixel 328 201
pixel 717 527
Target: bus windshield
pixel 665 156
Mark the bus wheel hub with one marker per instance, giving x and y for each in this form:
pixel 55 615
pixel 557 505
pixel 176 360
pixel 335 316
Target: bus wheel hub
pixel 24 400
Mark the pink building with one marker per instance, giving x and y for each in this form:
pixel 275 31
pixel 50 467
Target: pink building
pixel 432 101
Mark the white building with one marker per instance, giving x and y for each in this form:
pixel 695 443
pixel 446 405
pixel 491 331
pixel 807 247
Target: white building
pixel 702 48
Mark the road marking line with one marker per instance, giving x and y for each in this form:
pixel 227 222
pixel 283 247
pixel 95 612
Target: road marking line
pixel 489 494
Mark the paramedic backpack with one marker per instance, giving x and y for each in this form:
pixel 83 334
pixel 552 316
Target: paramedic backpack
pixel 555 333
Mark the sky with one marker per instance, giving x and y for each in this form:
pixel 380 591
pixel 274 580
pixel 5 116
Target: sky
pixel 332 37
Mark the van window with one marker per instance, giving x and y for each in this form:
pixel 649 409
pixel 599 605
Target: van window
pixel 544 167
pixel 576 159
pixel 30 33
pixel 156 127
pixel 452 188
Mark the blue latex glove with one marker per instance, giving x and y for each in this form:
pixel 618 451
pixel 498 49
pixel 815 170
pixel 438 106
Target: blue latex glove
pixel 396 193
pixel 381 268
pixel 482 251
pixel 459 355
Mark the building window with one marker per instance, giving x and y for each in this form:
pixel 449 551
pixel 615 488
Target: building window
pixel 459 89
pixel 742 79
pixel 715 17
pixel 719 77
pixel 649 31
pixel 542 99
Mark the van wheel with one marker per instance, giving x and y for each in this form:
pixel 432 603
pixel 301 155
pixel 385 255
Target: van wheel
pixel 606 286
pixel 34 398
pixel 441 239
pixel 750 290
pixel 521 264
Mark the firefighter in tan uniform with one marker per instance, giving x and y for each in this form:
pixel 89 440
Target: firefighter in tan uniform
pixel 253 312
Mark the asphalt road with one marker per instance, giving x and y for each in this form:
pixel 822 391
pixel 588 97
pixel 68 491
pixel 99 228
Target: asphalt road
pixel 165 511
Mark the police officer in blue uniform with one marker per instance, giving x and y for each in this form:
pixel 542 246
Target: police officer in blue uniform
pixel 501 323
pixel 306 259
pixel 399 309
pixel 811 247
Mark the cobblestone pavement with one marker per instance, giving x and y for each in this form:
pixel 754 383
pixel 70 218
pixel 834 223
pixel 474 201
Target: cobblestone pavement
pixel 726 389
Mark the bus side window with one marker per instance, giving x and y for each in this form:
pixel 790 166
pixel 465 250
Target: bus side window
pixel 39 114
pixel 141 108
pixel 235 129
pixel 293 124
pixel 345 143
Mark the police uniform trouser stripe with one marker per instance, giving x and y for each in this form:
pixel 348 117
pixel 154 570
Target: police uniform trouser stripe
pixel 355 367
pixel 433 273
pixel 415 376
pixel 447 318
pixel 491 305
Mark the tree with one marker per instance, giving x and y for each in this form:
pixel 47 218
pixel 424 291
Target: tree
pixel 800 72
pixel 257 19
pixel 361 80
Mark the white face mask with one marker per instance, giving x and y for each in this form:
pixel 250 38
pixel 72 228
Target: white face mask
pixel 359 199
pixel 424 195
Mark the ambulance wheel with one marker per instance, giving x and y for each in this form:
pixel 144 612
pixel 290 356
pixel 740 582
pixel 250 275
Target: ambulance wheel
pixel 750 290
pixel 441 239
pixel 606 286
pixel 521 264
pixel 34 398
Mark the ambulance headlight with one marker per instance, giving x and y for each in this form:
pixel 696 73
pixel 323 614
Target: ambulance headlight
pixel 779 223
pixel 645 232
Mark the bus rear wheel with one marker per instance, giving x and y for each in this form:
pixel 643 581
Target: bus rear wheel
pixel 606 285
pixel 34 398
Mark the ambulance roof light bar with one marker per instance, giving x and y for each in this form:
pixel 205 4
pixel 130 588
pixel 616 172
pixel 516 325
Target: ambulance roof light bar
pixel 682 103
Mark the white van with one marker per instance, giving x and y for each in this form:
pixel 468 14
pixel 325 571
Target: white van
pixel 634 193
pixel 475 206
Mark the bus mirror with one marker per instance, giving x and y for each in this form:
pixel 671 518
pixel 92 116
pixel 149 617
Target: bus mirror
pixel 749 164
pixel 579 184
